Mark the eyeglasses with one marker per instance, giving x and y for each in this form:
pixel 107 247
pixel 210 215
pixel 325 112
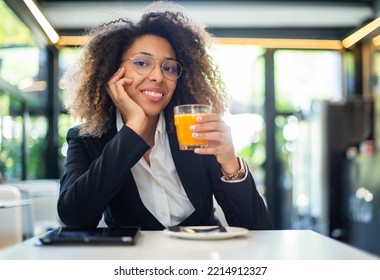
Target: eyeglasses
pixel 144 65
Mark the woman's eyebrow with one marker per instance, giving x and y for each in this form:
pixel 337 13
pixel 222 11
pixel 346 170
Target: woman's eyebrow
pixel 145 53
pixel 149 54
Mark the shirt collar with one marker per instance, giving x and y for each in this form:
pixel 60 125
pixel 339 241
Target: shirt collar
pixel 160 130
pixel 161 126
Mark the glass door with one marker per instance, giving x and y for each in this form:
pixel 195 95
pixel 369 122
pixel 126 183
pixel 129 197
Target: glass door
pixel 304 79
pixel 288 83
pixel 242 68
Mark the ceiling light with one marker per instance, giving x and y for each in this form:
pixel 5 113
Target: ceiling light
pixel 72 40
pixel 361 33
pixel 285 43
pixel 376 41
pixel 49 30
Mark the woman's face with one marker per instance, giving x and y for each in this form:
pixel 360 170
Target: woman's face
pixel 151 91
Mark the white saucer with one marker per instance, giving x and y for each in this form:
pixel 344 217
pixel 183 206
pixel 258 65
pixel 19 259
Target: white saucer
pixel 230 233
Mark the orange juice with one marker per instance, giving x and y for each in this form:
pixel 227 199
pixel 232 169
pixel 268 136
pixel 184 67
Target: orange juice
pixel 184 134
pixel 184 116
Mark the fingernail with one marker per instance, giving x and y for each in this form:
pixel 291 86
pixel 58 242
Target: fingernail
pixel 192 127
pixel 199 118
pixel 194 134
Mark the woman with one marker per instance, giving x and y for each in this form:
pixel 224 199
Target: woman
pixel 123 161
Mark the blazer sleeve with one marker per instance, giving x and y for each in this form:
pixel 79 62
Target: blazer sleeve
pixel 241 203
pixel 94 173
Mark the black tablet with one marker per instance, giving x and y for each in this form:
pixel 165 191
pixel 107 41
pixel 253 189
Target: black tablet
pixel 91 236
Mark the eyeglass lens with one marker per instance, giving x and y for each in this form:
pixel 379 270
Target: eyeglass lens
pixel 145 64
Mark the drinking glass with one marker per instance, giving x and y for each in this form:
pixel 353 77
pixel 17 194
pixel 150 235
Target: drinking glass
pixel 185 116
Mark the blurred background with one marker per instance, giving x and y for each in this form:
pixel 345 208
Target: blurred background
pixel 303 86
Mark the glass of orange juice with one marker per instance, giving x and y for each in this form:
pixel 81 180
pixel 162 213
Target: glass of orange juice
pixel 185 116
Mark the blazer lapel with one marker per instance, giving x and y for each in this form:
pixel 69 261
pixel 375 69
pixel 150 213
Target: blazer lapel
pixel 134 204
pixel 186 165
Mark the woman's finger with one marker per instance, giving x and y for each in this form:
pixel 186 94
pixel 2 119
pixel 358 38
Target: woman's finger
pixel 213 125
pixel 111 84
pixel 117 76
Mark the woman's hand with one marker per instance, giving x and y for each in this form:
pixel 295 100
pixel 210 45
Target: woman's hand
pixel 218 134
pixel 133 115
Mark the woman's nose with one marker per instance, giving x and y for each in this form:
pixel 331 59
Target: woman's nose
pixel 156 75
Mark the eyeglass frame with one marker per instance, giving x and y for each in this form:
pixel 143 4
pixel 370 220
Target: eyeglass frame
pixel 155 63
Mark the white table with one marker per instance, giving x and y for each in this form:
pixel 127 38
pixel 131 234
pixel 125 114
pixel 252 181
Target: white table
pixel 156 245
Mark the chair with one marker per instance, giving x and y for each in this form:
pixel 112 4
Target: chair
pixel 11 220
pixel 27 216
pixel 44 195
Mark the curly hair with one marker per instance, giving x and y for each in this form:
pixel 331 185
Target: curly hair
pixel 100 58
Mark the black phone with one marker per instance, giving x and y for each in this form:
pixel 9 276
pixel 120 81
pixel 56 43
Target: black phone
pixel 91 236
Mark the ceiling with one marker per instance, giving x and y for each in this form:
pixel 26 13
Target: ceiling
pixel 257 18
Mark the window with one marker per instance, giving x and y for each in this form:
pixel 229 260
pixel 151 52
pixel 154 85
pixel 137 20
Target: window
pixel 23 91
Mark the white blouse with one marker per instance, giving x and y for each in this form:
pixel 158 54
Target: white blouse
pixel 159 185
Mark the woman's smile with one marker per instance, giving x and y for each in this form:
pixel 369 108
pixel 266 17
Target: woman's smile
pixel 153 95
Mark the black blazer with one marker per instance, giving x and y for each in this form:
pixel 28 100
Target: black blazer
pixel 97 179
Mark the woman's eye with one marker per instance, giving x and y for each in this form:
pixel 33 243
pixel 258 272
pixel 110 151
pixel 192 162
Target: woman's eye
pixel 170 69
pixel 141 63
